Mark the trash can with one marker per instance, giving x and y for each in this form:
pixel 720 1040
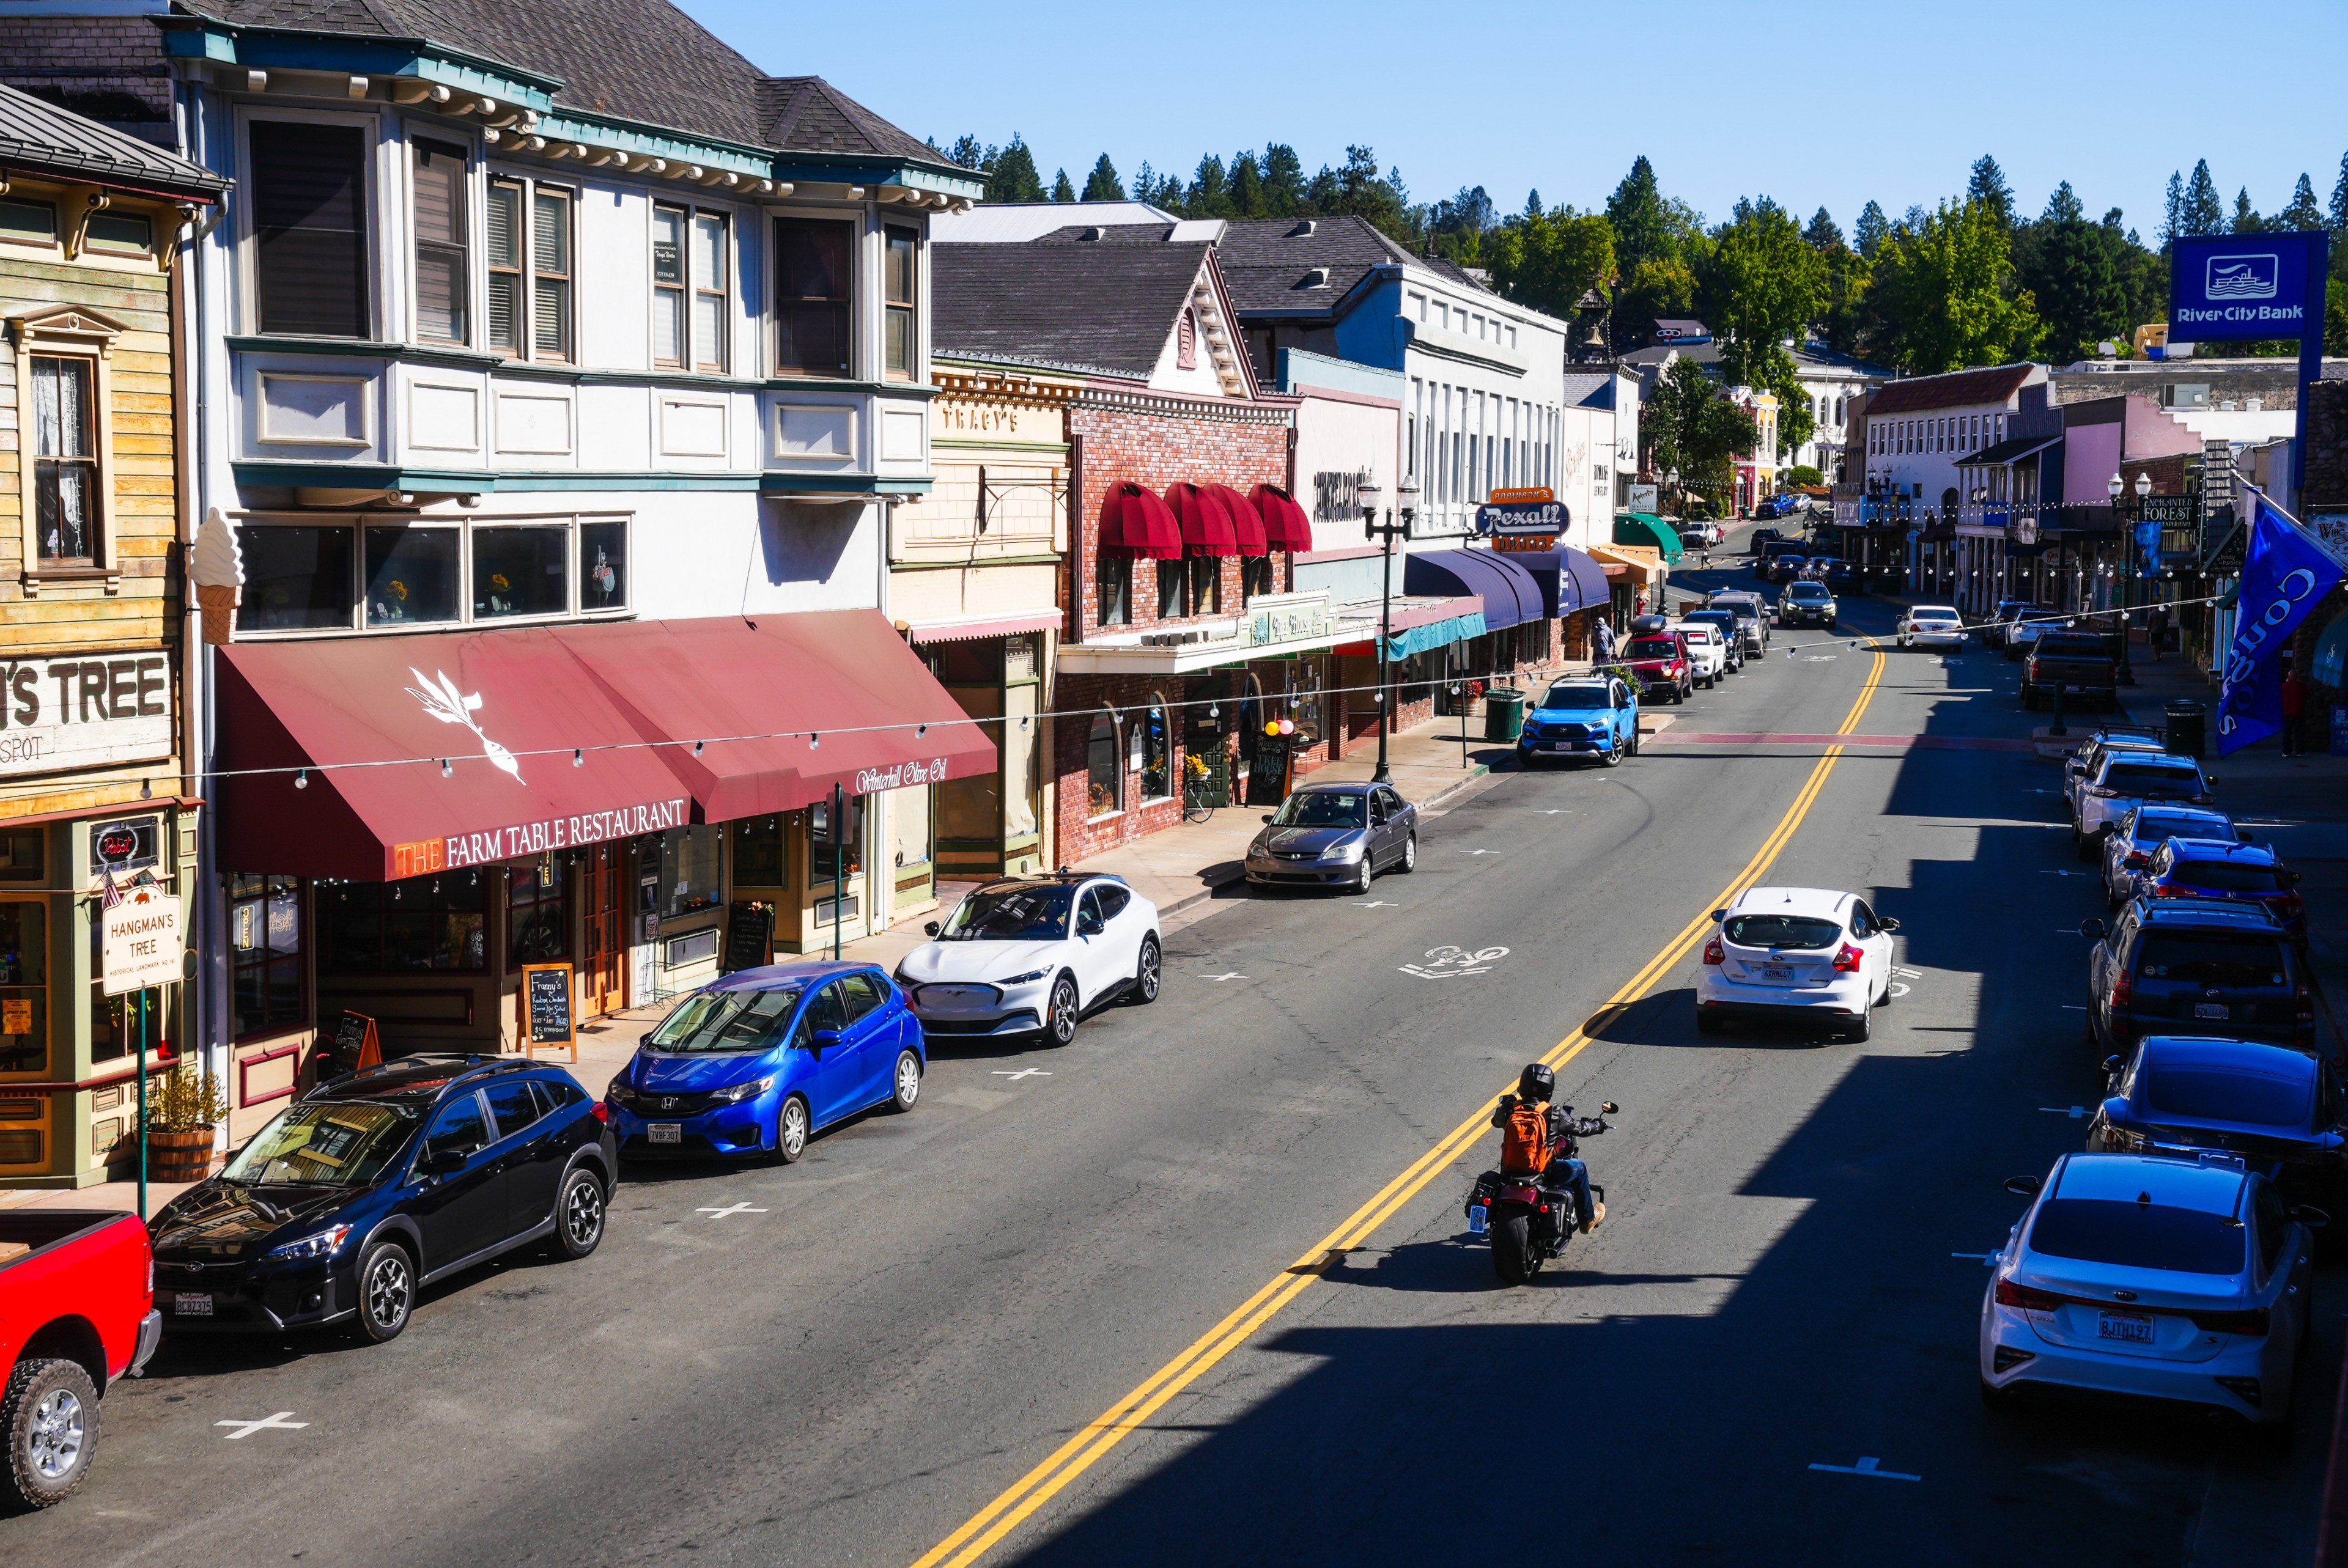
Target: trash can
pixel 1504 714
pixel 2187 734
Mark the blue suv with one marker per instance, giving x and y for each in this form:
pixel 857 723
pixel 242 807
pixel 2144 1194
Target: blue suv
pixel 1583 716
pixel 758 1062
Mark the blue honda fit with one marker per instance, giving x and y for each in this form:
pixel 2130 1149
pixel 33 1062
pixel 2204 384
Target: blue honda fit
pixel 756 1062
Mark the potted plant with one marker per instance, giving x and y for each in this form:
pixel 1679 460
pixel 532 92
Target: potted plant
pixel 183 1106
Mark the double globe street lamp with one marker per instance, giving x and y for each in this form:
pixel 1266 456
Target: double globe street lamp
pixel 1397 525
pixel 2126 672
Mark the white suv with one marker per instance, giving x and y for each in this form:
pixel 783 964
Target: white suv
pixel 2125 779
pixel 1707 650
pixel 1796 952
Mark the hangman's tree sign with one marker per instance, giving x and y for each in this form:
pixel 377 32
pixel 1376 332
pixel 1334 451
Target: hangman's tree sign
pixel 84 712
pixel 140 940
pixel 2246 286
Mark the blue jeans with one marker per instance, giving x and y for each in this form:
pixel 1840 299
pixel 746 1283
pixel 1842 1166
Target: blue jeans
pixel 1571 1176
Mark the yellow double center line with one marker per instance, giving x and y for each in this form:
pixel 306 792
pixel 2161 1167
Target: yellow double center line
pixel 1095 1438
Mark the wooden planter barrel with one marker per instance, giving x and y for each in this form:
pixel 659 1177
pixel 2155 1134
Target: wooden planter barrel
pixel 178 1156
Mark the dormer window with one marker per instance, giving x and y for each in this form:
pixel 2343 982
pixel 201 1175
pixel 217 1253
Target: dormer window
pixel 1318 278
pixel 1186 341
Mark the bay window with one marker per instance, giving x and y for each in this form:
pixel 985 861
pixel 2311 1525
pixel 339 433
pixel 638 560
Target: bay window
pixel 531 270
pixel 550 274
pixel 710 272
pixel 668 285
pixel 308 193
pixel 898 274
pixel 814 272
pixel 307 575
pixel 443 261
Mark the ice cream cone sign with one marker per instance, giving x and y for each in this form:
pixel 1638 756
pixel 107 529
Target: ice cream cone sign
pixel 217 572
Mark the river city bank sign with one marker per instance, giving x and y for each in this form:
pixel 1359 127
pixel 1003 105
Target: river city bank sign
pixel 2249 286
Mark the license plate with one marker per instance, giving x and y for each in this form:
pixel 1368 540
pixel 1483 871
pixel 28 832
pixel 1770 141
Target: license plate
pixel 1782 974
pixel 665 1132
pixel 1560 745
pixel 2127 1327
pixel 2212 1009
pixel 2073 688
pixel 1476 1220
pixel 191 1303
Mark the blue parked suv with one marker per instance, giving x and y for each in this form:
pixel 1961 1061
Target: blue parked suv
pixel 758 1062
pixel 1583 716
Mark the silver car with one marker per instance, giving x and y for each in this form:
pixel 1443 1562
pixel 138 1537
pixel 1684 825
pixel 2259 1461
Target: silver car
pixel 1335 836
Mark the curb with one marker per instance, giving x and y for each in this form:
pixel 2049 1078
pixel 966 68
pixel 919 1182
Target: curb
pixel 1214 883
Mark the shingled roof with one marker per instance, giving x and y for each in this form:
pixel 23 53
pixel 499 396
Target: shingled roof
pixel 1103 308
pixel 1266 260
pixel 1958 389
pixel 641 60
pixel 38 135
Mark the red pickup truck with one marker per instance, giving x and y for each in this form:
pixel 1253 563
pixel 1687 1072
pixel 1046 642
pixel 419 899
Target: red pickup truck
pixel 77 1311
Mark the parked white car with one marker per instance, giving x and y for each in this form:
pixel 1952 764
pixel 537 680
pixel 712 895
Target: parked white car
pixel 1033 955
pixel 1707 650
pixel 1931 625
pixel 2180 1277
pixel 1796 953
pixel 2125 780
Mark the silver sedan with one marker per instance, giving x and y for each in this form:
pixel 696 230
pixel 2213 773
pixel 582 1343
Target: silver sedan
pixel 1335 836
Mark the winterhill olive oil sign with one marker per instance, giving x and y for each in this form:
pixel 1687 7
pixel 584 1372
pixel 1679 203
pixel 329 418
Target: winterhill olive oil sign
pixel 84 712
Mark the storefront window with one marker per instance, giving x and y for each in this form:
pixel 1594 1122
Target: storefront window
pixel 421 925
pixel 522 572
pixel 968 809
pixel 1307 700
pixel 296 578
pixel 603 566
pixel 689 871
pixel 1157 750
pixel 830 859
pixel 20 854
pixel 1022 782
pixel 1206 586
pixel 759 852
pixel 538 921
pixel 264 933
pixel 411 575
pixel 24 986
pixel 1103 776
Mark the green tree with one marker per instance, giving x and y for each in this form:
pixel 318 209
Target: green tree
pixel 2303 214
pixel 2336 216
pixel 967 151
pixel 2246 217
pixel 1102 184
pixel 1691 425
pixel 2172 218
pixel 1011 173
pixel 1061 190
pixel 1247 186
pixel 2067 266
pixel 1989 188
pixel 2141 274
pixel 2205 213
pixel 1283 180
pixel 1210 195
pixel 1945 296
pixel 1548 262
pixel 1870 231
pixel 1636 211
pixel 1824 235
pixel 1764 285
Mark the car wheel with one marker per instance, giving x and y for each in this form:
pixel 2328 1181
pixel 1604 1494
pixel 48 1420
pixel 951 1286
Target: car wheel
pixel 1859 1028
pixel 1614 756
pixel 49 1415
pixel 1148 973
pixel 1409 856
pixel 578 1213
pixel 908 1081
pixel 1360 885
pixel 791 1130
pixel 1060 1018
pixel 386 1290
pixel 2085 847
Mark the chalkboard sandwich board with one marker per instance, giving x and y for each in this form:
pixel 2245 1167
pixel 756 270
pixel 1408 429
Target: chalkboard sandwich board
pixel 546 1009
pixel 354 1047
pixel 749 938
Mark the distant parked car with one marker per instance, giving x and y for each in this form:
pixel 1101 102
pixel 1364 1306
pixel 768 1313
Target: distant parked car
pixel 1707 650
pixel 1752 613
pixel 1659 661
pixel 1755 540
pixel 2131 778
pixel 1722 620
pixel 2084 761
pixel 1034 955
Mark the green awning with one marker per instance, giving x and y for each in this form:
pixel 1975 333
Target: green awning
pixel 1646 529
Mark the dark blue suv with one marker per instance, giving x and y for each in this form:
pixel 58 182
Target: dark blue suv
pixel 756 1062
pixel 374 1184
pixel 2170 966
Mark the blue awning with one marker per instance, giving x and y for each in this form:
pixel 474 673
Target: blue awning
pixel 1434 634
pixel 1571 581
pixel 1510 595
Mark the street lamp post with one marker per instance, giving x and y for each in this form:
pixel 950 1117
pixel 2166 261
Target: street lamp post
pixel 1679 496
pixel 2126 675
pixel 1398 525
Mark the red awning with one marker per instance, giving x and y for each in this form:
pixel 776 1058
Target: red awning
pixel 554 737
pixel 750 699
pixel 1209 529
pixel 1246 518
pixel 1285 526
pixel 1134 522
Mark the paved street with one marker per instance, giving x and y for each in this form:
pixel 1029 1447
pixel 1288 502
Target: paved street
pixel 845 1360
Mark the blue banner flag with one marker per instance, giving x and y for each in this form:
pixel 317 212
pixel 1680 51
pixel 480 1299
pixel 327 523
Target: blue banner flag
pixel 2285 574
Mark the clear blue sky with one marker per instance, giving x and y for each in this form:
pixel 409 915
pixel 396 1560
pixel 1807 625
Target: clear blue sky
pixel 1810 101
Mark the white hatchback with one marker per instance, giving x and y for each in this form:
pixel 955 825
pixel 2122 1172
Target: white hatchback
pixel 1936 624
pixel 2167 1277
pixel 1796 953
pixel 1707 650
pixel 1031 955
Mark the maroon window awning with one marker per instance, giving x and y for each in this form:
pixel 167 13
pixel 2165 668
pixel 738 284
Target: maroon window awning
pixel 1136 523
pixel 1285 526
pixel 1246 519
pixel 384 757
pixel 1208 530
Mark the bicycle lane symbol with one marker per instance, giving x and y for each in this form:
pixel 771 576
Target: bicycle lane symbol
pixel 1447 963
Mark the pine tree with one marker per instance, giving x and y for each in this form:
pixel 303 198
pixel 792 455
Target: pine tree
pixel 1989 188
pixel 1011 174
pixel 2303 214
pixel 1061 190
pixel 966 151
pixel 1247 186
pixel 1868 233
pixel 2246 217
pixel 1533 204
pixel 2205 209
pixel 1102 184
pixel 1210 195
pixel 2339 214
pixel 2064 207
pixel 2172 220
pixel 1636 211
pixel 1824 233
pixel 1283 180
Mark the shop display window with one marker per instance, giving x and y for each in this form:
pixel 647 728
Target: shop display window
pixel 835 856
pixel 411 576
pixel 538 921
pixel 1022 761
pixel 1255 575
pixel 759 852
pixel 23 986
pixel 266 953
pixel 296 578
pixel 603 566
pixel 1156 750
pixel 689 871
pixel 1103 779
pixel 423 925
pixel 523 570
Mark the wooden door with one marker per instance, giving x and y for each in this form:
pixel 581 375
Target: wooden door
pixel 603 971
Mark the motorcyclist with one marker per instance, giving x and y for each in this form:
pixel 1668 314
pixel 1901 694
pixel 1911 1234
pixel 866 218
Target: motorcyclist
pixel 1560 1169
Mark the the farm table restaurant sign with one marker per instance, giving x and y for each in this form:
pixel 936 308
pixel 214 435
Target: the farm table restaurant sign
pixel 93 711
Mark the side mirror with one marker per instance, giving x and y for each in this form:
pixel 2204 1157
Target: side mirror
pixel 1267 816
pixel 1718 916
pixel 2091 929
pixel 2209 778
pixel 1090 926
pixel 2112 1066
pixel 2313 1218
pixel 1610 1108
pixel 1886 923
pixel 2023 1186
pixel 440 1163
pixel 825 1039
pixel 930 928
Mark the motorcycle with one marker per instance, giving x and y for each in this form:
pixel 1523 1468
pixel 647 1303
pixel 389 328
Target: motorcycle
pixel 1527 1223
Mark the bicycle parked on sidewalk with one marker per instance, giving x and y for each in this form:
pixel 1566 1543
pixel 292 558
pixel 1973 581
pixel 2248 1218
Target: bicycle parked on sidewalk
pixel 1198 790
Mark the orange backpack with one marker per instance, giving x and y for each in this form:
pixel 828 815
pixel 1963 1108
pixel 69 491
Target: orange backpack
pixel 1524 1139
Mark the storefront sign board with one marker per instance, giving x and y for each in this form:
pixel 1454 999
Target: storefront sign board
pixel 140 941
pixel 84 712
pixel 749 938
pixel 547 1022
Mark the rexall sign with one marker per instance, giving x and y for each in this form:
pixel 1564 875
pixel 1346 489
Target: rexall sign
pixel 2225 286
